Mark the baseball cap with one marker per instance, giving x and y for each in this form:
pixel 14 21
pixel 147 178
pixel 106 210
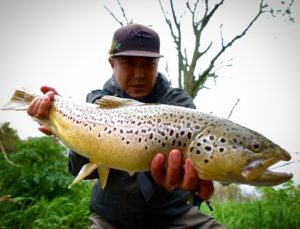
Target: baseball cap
pixel 135 40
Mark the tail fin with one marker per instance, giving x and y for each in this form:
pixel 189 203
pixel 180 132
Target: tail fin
pixel 19 101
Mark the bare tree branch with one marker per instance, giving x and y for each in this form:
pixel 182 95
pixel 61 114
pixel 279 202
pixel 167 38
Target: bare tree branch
pixel 112 14
pixel 5 156
pixel 123 12
pixel 232 109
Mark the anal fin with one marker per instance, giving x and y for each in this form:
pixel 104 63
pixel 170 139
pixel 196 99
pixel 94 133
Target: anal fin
pixel 103 174
pixel 86 170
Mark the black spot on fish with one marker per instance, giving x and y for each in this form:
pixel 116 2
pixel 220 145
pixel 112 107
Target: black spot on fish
pixel 182 132
pixel 207 148
pixel 173 142
pixel 162 133
pixel 211 137
pixel 179 143
pixel 191 149
pixel 151 136
pixel 198 144
pixel 99 135
pixel 205 161
pixel 163 144
pixel 221 150
pixel 198 152
pixel 127 142
pixel 109 132
pixel 223 140
pixel 146 147
pixel 234 140
pixel 211 157
pixel 189 135
pixel 140 139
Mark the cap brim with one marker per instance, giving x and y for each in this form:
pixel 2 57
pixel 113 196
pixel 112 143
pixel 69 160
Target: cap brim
pixel 138 53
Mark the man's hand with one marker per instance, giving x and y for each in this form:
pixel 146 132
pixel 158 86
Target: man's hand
pixel 176 176
pixel 39 107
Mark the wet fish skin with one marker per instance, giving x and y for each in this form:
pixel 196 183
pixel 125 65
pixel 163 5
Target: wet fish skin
pixel 126 134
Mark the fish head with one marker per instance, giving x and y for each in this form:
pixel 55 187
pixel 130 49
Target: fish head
pixel 232 153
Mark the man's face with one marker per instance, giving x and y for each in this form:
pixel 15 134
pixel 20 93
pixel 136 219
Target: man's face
pixel 135 75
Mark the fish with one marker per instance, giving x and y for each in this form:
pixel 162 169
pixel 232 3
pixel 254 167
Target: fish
pixel 125 134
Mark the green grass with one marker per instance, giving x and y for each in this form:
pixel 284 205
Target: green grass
pixel 40 197
pixel 277 209
pixel 39 192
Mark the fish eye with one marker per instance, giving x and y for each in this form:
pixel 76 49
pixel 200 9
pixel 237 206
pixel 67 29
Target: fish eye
pixel 255 146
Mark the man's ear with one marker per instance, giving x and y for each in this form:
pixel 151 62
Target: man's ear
pixel 111 61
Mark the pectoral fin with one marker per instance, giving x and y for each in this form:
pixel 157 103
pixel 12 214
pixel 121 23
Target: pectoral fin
pixel 86 170
pixel 103 174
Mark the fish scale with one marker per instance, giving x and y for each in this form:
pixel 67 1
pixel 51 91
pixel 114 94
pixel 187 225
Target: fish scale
pixel 126 134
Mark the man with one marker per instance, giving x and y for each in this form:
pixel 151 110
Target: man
pixel 156 199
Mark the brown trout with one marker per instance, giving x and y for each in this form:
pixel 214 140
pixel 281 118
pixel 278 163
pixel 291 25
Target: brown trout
pixel 125 134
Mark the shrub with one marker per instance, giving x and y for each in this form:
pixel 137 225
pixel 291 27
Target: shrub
pixel 39 192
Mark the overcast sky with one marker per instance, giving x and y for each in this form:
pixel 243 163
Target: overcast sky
pixel 65 43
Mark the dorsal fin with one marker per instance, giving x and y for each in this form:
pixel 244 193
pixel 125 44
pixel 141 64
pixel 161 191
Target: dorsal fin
pixel 110 102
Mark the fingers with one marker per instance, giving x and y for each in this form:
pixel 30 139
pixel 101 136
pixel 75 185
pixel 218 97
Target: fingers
pixel 176 176
pixel 205 189
pixel 190 179
pixel 171 177
pixel 174 171
pixel 46 89
pixel 45 130
pixel 157 169
pixel 39 107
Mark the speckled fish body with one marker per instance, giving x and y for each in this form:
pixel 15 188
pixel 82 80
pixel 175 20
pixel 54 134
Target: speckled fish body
pixel 125 134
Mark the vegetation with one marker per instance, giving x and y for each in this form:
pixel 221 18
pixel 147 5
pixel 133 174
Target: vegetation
pixel 8 137
pixel 276 208
pixel 35 194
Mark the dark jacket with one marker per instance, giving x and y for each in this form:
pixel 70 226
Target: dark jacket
pixel 122 202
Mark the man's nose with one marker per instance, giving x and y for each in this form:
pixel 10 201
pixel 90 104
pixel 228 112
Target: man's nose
pixel 139 72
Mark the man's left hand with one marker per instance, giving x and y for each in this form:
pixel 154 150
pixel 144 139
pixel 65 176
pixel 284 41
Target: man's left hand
pixel 175 176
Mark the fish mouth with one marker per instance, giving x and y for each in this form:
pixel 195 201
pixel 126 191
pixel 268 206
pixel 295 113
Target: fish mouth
pixel 271 178
pixel 258 173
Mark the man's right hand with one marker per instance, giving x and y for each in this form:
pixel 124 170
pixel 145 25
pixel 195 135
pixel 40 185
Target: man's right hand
pixel 39 107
